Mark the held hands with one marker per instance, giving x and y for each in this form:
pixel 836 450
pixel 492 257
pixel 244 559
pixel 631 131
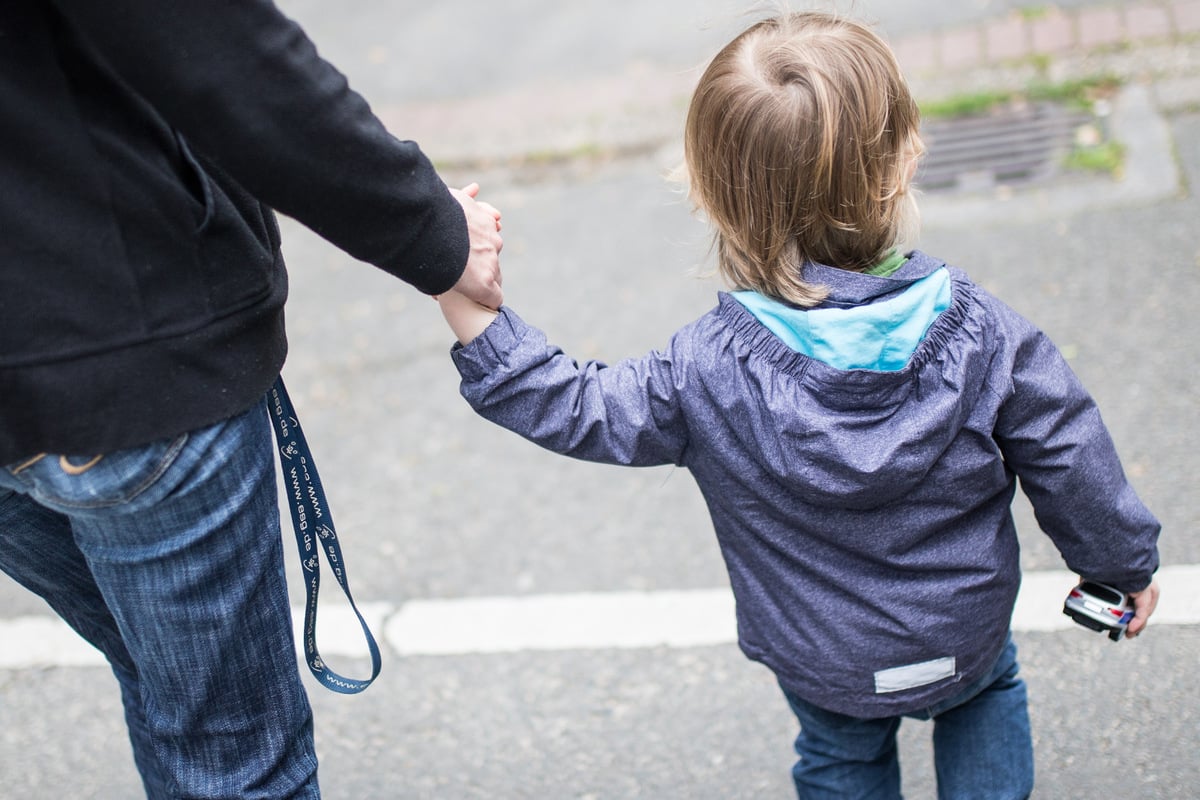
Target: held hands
pixel 470 306
pixel 481 279
pixel 1144 603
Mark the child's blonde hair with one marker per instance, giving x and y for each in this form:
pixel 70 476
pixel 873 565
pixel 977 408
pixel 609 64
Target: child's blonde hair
pixel 798 147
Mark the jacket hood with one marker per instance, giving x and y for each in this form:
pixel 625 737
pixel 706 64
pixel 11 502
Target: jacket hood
pixel 854 437
pixel 879 335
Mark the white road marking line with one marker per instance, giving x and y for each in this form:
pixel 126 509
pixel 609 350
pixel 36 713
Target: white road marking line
pixel 44 642
pixel 564 622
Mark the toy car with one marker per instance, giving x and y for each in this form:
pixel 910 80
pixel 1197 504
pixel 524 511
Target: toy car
pixel 1099 607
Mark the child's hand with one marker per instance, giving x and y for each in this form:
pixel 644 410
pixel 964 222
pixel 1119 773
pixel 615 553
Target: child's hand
pixel 1144 603
pixel 466 317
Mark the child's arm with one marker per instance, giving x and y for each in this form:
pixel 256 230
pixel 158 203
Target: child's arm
pixel 1053 437
pixel 630 413
pixel 466 318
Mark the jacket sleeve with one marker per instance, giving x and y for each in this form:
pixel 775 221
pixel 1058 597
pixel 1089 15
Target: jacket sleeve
pixel 247 88
pixel 626 414
pixel 1052 436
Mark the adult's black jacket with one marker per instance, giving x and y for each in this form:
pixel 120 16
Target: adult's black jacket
pixel 143 145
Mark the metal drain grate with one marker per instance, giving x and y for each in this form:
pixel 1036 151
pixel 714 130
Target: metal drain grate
pixel 1008 146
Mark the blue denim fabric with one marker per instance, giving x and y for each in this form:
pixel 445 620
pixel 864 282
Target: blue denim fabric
pixel 983 749
pixel 168 558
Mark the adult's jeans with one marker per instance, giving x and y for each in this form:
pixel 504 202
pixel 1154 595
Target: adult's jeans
pixel 168 559
pixel 982 746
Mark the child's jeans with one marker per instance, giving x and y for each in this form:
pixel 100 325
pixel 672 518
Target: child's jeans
pixel 168 559
pixel 981 741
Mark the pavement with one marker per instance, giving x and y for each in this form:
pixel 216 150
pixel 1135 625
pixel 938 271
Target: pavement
pixel 553 120
pixel 570 116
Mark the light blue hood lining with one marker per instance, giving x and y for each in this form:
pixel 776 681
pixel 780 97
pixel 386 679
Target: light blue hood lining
pixel 879 336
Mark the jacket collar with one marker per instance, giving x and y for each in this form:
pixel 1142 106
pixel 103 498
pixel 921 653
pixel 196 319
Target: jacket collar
pixel 856 288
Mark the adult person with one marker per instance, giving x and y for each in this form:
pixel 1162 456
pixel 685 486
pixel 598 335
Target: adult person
pixel 143 148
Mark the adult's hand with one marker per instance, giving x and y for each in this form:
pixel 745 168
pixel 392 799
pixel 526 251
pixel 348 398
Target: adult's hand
pixel 481 279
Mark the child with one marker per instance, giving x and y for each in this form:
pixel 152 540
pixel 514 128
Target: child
pixel 855 418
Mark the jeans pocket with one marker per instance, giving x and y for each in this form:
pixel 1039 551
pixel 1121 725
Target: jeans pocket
pixel 75 482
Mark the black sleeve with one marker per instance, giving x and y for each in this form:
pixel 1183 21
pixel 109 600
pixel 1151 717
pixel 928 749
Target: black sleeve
pixel 247 87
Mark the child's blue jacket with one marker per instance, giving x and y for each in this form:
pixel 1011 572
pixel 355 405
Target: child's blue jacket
pixel 864 515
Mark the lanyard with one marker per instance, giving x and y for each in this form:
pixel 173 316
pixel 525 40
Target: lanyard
pixel 313 526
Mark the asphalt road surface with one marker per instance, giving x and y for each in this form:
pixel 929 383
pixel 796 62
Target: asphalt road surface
pixel 435 505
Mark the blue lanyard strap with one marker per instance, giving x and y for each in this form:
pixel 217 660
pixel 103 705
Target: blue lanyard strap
pixel 313 524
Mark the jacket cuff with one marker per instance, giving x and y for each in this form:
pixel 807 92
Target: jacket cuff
pixel 489 350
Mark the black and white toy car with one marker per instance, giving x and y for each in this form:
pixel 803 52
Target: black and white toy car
pixel 1099 607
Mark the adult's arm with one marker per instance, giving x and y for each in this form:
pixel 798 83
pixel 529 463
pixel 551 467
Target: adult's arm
pixel 246 86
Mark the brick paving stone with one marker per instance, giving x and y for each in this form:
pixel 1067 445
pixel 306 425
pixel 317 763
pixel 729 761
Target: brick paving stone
pixel 1187 16
pixel 1146 21
pixel 1006 39
pixel 962 47
pixel 1099 26
pixel 1051 33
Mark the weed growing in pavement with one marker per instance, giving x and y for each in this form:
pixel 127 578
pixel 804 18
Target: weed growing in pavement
pixel 1082 94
